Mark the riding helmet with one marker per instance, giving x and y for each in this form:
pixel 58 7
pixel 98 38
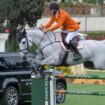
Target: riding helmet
pixel 53 6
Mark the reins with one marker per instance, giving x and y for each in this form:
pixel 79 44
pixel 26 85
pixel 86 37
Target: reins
pixel 40 49
pixel 51 43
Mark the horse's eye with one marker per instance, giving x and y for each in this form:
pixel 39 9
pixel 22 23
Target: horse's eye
pixel 23 42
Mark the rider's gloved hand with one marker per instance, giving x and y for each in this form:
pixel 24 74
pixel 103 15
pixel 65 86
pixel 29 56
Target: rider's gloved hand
pixel 46 30
pixel 41 27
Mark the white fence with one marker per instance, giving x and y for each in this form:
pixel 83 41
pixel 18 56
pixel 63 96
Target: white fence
pixel 3 38
pixel 87 23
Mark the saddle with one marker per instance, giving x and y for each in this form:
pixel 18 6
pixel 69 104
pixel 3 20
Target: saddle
pixel 76 41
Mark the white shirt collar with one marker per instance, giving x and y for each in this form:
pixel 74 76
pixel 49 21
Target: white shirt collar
pixel 57 13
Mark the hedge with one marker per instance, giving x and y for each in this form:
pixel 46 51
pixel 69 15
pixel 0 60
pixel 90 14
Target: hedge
pixel 96 35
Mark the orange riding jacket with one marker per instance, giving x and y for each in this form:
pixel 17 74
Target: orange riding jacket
pixel 63 19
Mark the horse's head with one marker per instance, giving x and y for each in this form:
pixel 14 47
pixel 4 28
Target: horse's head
pixel 27 38
pixel 23 42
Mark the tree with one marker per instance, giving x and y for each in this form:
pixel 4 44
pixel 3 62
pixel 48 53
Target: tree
pixel 19 12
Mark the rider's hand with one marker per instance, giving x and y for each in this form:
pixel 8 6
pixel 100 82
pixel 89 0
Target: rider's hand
pixel 41 27
pixel 45 30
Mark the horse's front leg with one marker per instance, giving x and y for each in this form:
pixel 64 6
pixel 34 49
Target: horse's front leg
pixel 50 61
pixel 36 59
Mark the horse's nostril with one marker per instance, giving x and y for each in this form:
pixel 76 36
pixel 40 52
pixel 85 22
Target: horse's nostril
pixel 23 42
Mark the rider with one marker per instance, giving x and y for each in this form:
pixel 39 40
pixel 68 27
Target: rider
pixel 68 24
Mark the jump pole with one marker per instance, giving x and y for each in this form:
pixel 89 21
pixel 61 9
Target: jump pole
pixel 43 89
pixel 80 93
pixel 52 87
pixel 80 77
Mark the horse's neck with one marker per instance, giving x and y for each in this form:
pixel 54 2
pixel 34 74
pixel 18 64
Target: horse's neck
pixel 35 34
pixel 38 35
pixel 42 40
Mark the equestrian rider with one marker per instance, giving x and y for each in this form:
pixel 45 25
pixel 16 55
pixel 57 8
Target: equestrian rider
pixel 68 25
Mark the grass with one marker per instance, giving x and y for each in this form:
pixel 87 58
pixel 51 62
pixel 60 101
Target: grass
pixel 84 99
pixel 96 35
pixel 96 72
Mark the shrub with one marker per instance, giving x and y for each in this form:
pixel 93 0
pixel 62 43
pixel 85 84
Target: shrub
pixel 96 35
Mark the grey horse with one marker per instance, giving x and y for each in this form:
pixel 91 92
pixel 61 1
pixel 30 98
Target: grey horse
pixel 51 52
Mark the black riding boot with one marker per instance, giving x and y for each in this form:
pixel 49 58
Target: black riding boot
pixel 77 55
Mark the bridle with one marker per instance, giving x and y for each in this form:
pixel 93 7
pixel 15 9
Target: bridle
pixel 40 50
pixel 51 43
pixel 27 48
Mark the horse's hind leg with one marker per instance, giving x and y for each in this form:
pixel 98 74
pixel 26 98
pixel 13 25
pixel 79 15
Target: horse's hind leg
pixel 100 64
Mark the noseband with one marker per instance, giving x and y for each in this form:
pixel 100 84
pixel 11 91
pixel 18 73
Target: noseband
pixel 27 48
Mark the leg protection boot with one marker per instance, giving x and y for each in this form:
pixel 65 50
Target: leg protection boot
pixel 77 55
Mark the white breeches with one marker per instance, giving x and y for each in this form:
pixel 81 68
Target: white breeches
pixel 70 35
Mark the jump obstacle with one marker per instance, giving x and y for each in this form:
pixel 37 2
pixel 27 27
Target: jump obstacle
pixel 44 88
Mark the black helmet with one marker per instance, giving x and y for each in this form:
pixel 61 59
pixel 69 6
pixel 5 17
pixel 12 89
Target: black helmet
pixel 53 6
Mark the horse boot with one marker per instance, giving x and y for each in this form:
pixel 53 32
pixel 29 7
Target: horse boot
pixel 77 54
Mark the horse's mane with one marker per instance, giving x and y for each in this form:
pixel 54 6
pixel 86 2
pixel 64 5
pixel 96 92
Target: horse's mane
pixel 34 28
pixel 37 28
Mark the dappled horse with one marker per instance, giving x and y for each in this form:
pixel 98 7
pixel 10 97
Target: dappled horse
pixel 49 50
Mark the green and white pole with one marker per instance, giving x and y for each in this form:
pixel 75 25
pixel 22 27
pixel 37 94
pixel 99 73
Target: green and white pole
pixel 52 87
pixel 40 90
pixel 43 89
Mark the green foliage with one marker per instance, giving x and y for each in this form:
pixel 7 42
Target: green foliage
pixel 96 35
pixel 19 12
pixel 67 4
pixel 93 1
pixel 12 47
pixel 71 3
pixel 33 48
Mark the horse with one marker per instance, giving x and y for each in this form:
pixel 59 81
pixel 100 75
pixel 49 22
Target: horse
pixel 49 49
